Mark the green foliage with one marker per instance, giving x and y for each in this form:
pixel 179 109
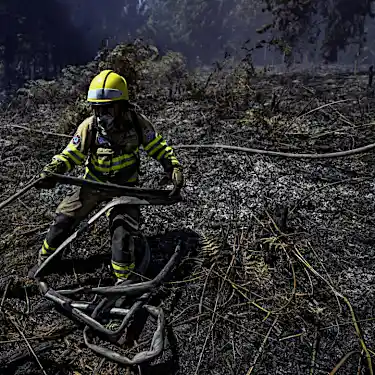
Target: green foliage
pixel 128 59
pixel 39 92
pixel 165 75
pixel 145 69
pixel 228 86
pixel 72 84
pixel 299 22
pixel 147 72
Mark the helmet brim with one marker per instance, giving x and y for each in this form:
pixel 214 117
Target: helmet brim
pixel 106 102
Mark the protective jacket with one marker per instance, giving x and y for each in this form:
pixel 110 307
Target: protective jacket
pixel 115 157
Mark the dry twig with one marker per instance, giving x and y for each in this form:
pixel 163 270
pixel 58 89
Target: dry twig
pixel 37 131
pixel 261 348
pixel 27 343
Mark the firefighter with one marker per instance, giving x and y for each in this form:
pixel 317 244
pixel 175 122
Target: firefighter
pixel 109 143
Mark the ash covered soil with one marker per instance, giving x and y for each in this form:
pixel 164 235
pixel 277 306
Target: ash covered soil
pixel 278 269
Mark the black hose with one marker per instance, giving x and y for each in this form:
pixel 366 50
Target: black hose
pixel 152 195
pixel 130 290
pixel 156 347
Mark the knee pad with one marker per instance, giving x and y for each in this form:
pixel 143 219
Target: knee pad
pixel 122 245
pixel 119 233
pixel 126 221
pixel 64 221
pixel 60 229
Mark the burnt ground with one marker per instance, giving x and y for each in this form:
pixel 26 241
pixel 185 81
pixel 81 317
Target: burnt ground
pixel 278 271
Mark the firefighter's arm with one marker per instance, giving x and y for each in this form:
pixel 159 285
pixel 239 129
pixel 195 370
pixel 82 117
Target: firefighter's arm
pixel 156 147
pixel 75 153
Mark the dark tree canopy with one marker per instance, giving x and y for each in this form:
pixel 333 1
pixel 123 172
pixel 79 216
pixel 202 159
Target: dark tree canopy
pixel 36 40
pixel 39 37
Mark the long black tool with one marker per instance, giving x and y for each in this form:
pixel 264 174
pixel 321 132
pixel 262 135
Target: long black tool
pixel 116 189
pixel 19 193
pixel 156 195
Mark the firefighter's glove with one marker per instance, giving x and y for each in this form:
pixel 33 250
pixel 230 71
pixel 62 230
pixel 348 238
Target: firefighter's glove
pixel 177 178
pixel 47 181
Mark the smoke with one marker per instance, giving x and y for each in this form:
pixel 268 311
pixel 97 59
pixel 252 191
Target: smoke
pixel 200 29
pixel 203 30
pixel 106 22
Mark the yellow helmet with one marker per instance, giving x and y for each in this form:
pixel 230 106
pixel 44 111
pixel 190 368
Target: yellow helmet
pixel 107 87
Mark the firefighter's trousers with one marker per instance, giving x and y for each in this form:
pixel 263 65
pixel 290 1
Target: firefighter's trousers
pixel 77 206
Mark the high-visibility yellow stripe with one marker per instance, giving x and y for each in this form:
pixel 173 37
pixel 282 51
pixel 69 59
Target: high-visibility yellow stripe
pixel 166 153
pixel 122 267
pixel 90 176
pixel 113 167
pixel 65 160
pixel 172 158
pixel 100 162
pixel 45 244
pixel 169 148
pixel 121 276
pixel 76 151
pixel 157 148
pixel 153 142
pixel 72 156
pixel 161 153
pixel 46 249
pixel 116 159
pixel 125 156
pixel 122 271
